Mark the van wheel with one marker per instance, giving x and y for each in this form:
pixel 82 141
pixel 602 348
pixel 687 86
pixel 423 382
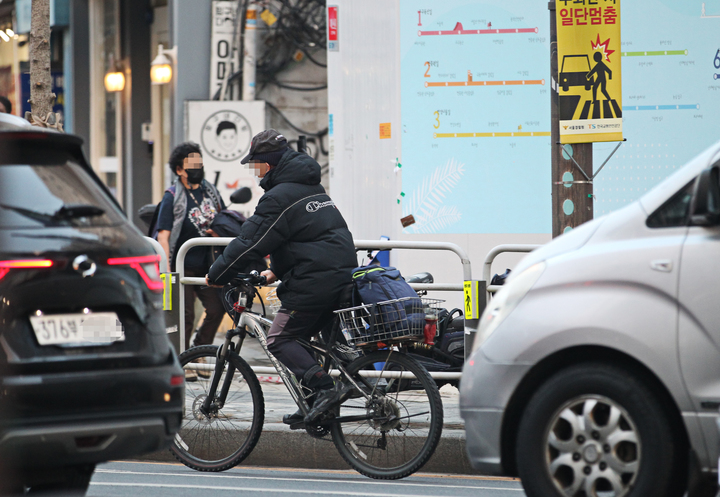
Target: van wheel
pixel 593 429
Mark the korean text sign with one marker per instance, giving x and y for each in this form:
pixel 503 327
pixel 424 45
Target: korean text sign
pixel 589 70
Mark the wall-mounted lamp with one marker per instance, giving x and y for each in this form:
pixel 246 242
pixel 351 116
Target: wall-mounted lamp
pixel 161 67
pixel 114 81
pixel 115 78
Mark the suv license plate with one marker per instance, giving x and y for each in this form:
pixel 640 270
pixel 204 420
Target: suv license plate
pixel 78 330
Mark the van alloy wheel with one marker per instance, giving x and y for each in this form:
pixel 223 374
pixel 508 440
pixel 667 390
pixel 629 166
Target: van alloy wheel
pixel 592 448
pixel 597 430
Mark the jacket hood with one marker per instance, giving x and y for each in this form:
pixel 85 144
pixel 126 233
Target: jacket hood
pixel 294 167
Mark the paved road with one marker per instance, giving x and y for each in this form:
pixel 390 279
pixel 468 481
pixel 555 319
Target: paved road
pixel 141 479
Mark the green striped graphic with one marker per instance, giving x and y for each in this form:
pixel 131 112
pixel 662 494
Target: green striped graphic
pixel 656 52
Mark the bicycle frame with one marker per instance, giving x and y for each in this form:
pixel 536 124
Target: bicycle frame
pixel 259 324
pixel 377 406
pixel 255 325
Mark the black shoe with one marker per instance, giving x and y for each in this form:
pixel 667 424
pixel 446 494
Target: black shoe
pixel 326 400
pixel 296 417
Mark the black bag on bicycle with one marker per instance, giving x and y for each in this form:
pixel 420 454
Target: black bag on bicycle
pixel 378 285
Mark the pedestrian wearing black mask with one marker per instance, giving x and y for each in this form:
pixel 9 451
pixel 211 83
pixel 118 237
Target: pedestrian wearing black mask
pixel 186 211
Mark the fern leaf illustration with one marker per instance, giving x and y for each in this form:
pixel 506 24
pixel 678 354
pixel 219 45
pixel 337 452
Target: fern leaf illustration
pixel 444 217
pixel 426 202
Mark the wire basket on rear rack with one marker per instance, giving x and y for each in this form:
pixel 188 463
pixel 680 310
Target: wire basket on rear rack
pixel 389 322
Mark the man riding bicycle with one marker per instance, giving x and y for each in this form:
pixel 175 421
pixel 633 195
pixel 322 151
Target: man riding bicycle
pixel 311 252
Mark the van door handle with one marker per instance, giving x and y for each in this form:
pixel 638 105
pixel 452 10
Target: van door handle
pixel 662 265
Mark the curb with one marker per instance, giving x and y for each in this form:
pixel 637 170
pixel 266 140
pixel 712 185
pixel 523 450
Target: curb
pixel 312 453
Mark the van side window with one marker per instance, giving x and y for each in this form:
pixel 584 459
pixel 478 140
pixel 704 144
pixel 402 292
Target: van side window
pixel 674 212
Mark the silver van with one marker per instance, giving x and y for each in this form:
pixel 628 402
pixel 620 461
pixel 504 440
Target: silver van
pixel 596 368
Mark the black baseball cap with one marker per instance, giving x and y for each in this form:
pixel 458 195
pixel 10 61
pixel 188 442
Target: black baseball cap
pixel 266 145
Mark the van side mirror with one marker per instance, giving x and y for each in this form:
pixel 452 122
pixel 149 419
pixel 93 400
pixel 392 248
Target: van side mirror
pixel 705 204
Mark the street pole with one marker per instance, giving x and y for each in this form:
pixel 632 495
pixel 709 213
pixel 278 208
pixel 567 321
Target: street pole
pixel 249 53
pixel 41 95
pixel 572 203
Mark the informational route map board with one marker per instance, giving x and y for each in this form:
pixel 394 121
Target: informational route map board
pixel 475 103
pixel 671 96
pixel 475 116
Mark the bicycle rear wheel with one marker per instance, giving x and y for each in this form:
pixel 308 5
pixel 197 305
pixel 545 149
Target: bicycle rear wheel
pixel 226 436
pixel 406 417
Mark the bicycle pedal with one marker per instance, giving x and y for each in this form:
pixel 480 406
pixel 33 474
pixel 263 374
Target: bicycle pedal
pixel 298 426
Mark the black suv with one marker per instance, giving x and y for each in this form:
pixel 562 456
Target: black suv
pixel 87 373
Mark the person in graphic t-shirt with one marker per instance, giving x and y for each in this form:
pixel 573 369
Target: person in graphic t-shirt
pixel 186 211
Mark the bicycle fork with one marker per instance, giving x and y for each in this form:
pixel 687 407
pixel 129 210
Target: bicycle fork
pixel 213 403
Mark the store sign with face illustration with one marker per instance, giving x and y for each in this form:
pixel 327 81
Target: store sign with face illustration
pixel 226 135
pixel 224 130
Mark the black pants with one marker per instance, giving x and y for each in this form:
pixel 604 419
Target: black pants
pixel 214 311
pixel 287 327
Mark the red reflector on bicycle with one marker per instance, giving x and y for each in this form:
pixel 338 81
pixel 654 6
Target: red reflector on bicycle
pixel 177 380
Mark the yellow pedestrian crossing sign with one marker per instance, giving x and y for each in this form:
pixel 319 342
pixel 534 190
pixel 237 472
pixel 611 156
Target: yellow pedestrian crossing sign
pixel 589 82
pixel 472 299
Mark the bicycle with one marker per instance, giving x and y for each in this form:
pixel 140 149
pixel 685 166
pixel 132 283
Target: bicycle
pixel 387 429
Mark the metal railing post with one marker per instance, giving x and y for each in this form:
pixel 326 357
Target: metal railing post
pixel 392 244
pixel 180 268
pixel 164 268
pixel 487 266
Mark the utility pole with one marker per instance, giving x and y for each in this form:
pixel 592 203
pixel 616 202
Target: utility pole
pixel 41 95
pixel 572 203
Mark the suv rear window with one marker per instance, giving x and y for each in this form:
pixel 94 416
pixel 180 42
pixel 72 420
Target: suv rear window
pixel 36 196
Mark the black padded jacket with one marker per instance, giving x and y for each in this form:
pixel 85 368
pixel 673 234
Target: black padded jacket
pixel 296 222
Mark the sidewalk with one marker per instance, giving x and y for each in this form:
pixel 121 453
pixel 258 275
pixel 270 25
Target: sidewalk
pixel 312 453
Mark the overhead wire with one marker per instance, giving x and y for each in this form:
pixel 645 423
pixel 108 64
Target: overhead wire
pixel 300 27
pixel 319 134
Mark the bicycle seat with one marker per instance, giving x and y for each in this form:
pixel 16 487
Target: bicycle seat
pixel 421 278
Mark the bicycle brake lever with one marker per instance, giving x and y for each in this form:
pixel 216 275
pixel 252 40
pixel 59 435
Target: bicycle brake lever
pixel 258 279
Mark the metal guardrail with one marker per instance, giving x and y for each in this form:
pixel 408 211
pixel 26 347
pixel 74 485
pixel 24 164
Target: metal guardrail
pixel 390 244
pixel 487 267
pixel 268 371
pixel 359 244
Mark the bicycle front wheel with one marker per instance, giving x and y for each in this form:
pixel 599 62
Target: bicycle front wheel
pixel 222 437
pixel 405 417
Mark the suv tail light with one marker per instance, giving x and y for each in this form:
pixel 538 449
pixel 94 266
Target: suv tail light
pixel 147 266
pixel 6 266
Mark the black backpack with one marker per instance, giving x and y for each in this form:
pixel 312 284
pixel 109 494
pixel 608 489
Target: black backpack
pixel 376 284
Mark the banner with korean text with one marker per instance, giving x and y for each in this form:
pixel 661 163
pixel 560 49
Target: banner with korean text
pixel 589 80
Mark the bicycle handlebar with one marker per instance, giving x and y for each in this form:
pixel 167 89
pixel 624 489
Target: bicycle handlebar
pixel 253 277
